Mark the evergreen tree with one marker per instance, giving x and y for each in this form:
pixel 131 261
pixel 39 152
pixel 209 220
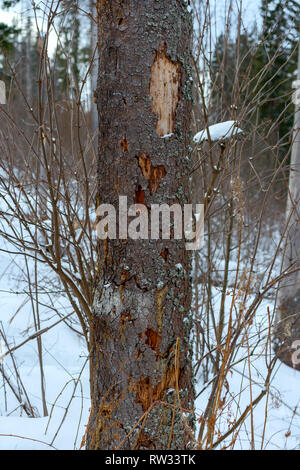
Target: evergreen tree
pixel 276 63
pixel 71 52
pixel 7 35
pixel 230 69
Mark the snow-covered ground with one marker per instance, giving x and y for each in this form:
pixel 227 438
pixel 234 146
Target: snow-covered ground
pixel 275 421
pixel 64 360
pixel 67 381
pixel 278 411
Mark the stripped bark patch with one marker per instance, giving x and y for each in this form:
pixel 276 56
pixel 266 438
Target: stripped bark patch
pixel 153 174
pixel 153 339
pixel 164 254
pixel 157 174
pixel 164 92
pixel 139 195
pixel 145 165
pixel 146 394
pixel 124 145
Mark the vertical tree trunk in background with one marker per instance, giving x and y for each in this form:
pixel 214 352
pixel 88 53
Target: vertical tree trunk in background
pixel 28 64
pixel 94 72
pixel 288 324
pixel 140 336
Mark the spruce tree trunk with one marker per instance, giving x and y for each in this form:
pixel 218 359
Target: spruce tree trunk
pixel 288 319
pixel 140 336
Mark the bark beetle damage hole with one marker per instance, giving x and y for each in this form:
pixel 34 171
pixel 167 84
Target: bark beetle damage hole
pixel 153 174
pixel 164 91
pixel 124 145
pixel 153 339
pixel 125 316
pixel 164 254
pixel 139 195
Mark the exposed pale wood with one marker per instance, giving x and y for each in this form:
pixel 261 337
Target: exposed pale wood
pixel 164 92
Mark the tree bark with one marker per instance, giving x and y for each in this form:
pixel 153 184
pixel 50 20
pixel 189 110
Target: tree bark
pixel 288 314
pixel 141 351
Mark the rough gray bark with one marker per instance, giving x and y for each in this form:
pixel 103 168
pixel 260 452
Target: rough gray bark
pixel 288 317
pixel 140 336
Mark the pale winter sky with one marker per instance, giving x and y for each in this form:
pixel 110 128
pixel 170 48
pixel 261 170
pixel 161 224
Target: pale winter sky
pixel 250 7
